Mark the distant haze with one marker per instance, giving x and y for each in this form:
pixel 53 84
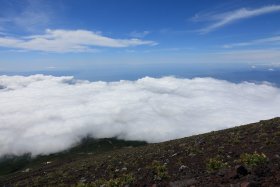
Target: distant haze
pixel 45 114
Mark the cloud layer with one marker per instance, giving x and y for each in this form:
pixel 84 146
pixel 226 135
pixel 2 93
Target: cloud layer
pixel 68 41
pixel 274 40
pixel 44 114
pixel 226 18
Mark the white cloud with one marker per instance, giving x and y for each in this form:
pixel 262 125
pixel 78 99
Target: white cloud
pixel 44 114
pixel 257 56
pixel 68 41
pixel 226 18
pixel 51 67
pixel 30 15
pixel 271 40
pixel 137 34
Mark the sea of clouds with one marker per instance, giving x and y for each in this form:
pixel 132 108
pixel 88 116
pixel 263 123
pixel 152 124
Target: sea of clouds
pixel 44 114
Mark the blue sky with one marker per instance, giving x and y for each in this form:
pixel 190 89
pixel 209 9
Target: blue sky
pixel 141 42
pixel 137 36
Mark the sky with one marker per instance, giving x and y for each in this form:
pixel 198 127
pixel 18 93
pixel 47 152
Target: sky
pixel 144 37
pixel 135 70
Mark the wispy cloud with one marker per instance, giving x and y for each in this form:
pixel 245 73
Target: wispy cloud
pixel 256 56
pixel 68 41
pixel 271 40
pixel 264 57
pixel 137 34
pixel 222 19
pixel 31 16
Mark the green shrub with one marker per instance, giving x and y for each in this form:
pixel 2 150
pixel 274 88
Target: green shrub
pixel 160 171
pixel 127 179
pixel 215 164
pixel 254 159
pixel 116 182
pixel 80 184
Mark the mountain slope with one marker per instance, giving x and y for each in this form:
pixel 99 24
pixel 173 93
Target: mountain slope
pixel 87 146
pixel 247 155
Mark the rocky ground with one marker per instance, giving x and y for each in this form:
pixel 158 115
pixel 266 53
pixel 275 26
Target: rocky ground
pixel 243 156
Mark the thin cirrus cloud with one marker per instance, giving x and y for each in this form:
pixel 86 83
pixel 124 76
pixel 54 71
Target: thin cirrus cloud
pixel 28 15
pixel 252 56
pixel 223 19
pixel 45 114
pixel 263 41
pixel 137 34
pixel 68 41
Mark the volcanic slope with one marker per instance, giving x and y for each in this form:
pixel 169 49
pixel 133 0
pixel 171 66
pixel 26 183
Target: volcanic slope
pixel 247 155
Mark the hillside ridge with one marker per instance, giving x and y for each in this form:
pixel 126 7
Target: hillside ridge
pixel 247 155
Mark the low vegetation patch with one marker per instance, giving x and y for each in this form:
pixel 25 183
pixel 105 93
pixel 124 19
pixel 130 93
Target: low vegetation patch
pixel 160 171
pixel 215 164
pixel 116 182
pixel 254 159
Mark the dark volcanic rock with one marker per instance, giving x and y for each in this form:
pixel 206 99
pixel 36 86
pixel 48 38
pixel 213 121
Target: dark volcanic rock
pixel 241 170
